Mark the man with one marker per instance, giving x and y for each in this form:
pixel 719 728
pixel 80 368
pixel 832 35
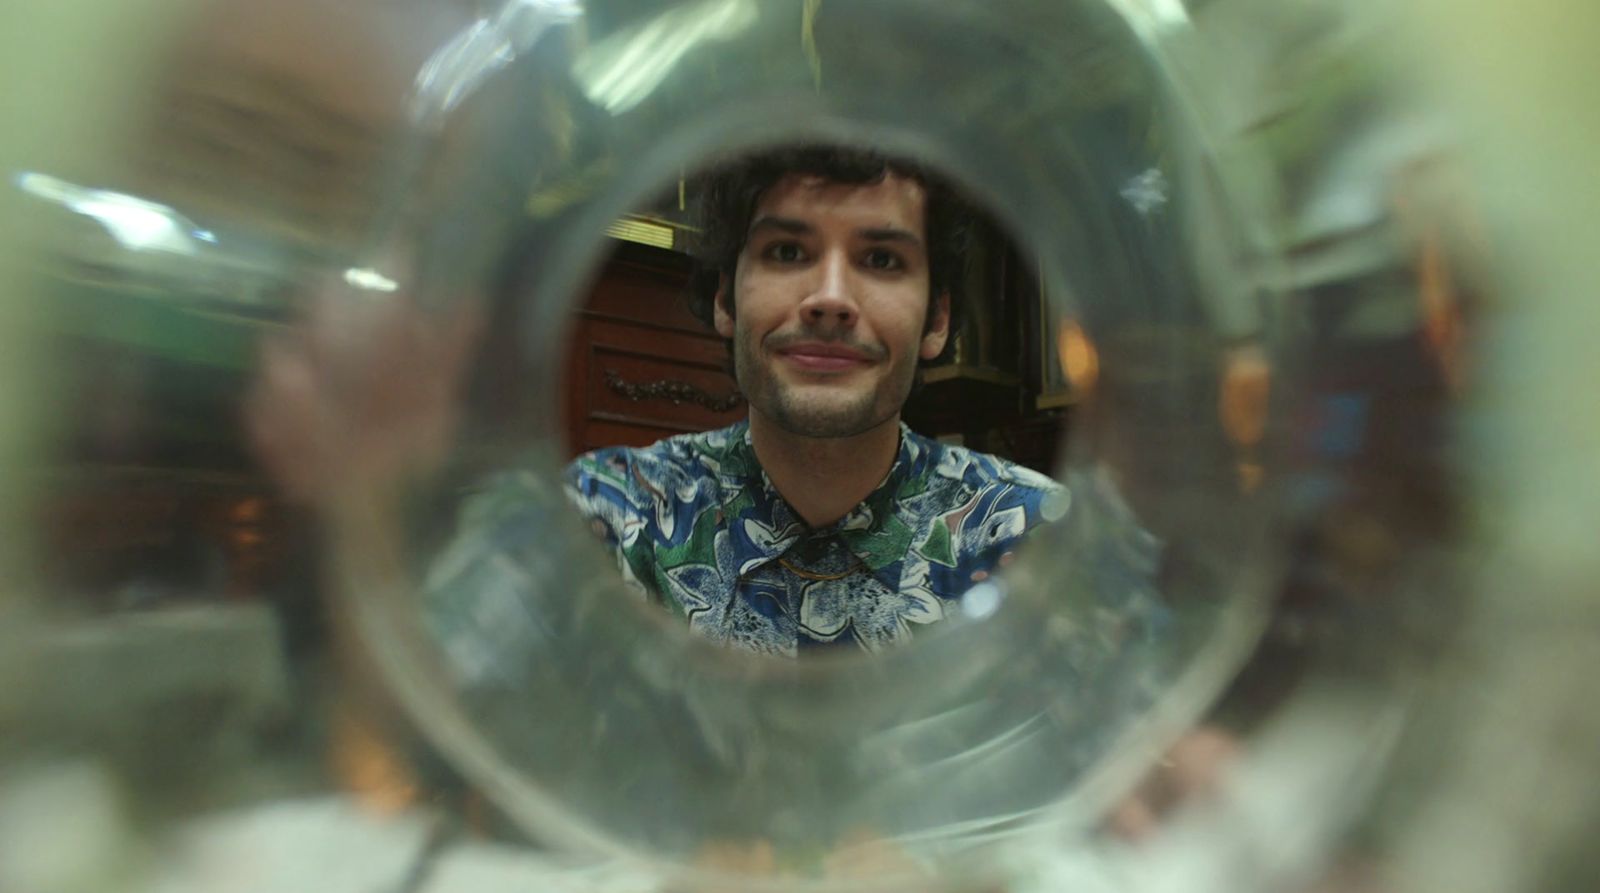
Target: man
pixel 821 520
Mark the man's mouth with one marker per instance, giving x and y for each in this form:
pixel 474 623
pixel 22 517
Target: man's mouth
pixel 821 356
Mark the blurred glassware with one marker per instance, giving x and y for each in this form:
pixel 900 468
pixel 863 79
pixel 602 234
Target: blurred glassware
pixel 1282 242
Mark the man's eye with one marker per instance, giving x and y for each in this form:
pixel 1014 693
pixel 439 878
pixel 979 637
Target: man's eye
pixel 785 252
pixel 882 259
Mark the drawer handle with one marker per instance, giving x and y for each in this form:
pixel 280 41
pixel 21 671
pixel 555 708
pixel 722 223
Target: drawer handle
pixel 679 392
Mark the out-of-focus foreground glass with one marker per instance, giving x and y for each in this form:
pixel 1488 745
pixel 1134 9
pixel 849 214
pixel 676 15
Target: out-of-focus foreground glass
pixel 310 304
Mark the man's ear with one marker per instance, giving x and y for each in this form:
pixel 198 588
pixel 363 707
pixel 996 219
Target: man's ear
pixel 721 315
pixel 938 328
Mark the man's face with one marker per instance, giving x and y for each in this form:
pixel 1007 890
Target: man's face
pixel 831 301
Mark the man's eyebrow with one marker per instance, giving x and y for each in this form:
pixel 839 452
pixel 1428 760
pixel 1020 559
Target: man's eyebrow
pixel 796 227
pixel 781 224
pixel 890 234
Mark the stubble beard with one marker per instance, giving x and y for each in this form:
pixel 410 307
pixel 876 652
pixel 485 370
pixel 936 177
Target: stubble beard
pixel 820 414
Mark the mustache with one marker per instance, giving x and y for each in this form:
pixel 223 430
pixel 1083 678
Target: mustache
pixel 783 340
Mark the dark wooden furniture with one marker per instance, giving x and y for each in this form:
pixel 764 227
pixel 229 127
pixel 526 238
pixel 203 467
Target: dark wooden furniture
pixel 641 367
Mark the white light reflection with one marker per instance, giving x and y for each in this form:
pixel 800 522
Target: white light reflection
pixel 369 279
pixel 618 73
pixel 456 68
pixel 135 223
pixel 1152 18
pixel 565 9
pixel 482 48
pixel 982 600
pixel 1147 191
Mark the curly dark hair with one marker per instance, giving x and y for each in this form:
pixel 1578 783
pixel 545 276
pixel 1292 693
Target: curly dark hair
pixel 727 195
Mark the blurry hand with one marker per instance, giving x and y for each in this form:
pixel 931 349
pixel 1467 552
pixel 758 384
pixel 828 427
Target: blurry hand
pixel 863 855
pixel 361 394
pixel 860 855
pixel 738 857
pixel 1193 768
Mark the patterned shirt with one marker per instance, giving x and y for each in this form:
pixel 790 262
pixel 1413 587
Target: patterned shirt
pixel 696 524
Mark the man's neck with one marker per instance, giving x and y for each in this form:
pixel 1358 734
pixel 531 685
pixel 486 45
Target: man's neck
pixel 823 478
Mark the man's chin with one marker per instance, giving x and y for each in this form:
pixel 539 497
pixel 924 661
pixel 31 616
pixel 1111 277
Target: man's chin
pixel 828 420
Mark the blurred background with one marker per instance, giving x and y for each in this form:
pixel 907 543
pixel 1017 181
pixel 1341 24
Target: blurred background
pixel 1320 304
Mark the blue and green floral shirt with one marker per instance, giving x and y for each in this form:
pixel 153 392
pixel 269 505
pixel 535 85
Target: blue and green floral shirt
pixel 696 524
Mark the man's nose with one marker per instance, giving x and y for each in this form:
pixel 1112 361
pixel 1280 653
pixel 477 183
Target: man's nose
pixel 832 300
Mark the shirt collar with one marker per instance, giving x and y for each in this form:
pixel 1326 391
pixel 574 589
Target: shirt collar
pixel 763 525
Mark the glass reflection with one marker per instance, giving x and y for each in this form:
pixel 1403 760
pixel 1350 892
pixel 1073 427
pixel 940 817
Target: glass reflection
pixel 257 190
pixel 510 603
pixel 361 399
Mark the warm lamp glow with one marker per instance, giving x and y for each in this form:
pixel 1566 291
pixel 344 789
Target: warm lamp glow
pixel 1080 362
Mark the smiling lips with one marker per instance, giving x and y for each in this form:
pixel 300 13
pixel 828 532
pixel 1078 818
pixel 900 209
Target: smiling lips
pixel 820 356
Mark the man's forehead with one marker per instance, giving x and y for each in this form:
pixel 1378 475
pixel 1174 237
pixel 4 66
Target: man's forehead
pixel 893 200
